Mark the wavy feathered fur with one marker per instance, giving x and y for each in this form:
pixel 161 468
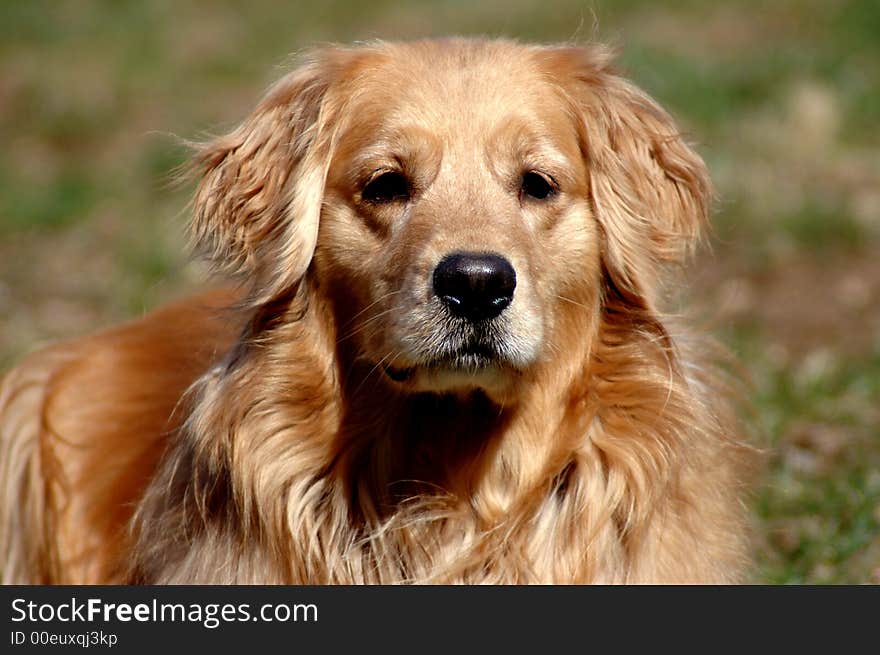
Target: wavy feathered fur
pixel 252 436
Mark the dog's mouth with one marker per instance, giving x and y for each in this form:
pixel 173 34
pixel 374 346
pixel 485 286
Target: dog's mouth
pixel 399 374
pixel 470 360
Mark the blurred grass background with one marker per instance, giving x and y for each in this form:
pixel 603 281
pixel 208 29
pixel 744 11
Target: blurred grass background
pixel 783 99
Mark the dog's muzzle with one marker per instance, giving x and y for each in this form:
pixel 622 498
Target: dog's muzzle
pixel 474 289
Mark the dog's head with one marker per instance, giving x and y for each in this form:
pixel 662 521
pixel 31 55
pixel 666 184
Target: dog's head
pixel 465 205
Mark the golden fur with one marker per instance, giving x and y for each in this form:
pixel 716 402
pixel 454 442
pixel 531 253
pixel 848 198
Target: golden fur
pixel 299 429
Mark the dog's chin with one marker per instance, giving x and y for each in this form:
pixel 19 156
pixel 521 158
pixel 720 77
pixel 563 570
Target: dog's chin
pixel 460 374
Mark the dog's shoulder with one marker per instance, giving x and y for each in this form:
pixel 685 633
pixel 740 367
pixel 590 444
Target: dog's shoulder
pixel 93 415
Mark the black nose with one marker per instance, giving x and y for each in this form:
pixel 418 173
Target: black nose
pixel 475 286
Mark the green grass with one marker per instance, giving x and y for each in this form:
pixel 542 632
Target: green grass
pixel 62 201
pixel 820 506
pixel 782 98
pixel 816 227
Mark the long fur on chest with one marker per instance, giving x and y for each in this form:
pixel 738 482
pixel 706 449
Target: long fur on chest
pixel 329 477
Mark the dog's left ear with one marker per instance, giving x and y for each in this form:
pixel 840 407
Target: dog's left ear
pixel 650 191
pixel 258 203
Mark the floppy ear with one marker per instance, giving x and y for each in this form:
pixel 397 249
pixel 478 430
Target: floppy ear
pixel 258 203
pixel 650 191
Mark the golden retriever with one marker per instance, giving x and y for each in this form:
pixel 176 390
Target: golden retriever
pixel 443 360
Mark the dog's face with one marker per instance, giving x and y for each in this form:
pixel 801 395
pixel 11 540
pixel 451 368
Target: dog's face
pixel 455 215
pixel 464 204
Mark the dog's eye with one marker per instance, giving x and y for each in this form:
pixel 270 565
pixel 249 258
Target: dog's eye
pixel 537 185
pixel 386 187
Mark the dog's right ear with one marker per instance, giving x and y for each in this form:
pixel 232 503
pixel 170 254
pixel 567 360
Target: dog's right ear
pixel 258 203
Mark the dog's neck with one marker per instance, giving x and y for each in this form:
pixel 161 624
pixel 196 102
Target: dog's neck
pixel 466 447
pixel 380 461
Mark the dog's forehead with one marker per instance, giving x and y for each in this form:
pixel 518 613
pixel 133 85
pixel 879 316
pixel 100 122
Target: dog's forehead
pixel 459 93
pixel 458 84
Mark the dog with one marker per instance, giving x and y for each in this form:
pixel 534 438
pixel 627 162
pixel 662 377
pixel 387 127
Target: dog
pixel 441 356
